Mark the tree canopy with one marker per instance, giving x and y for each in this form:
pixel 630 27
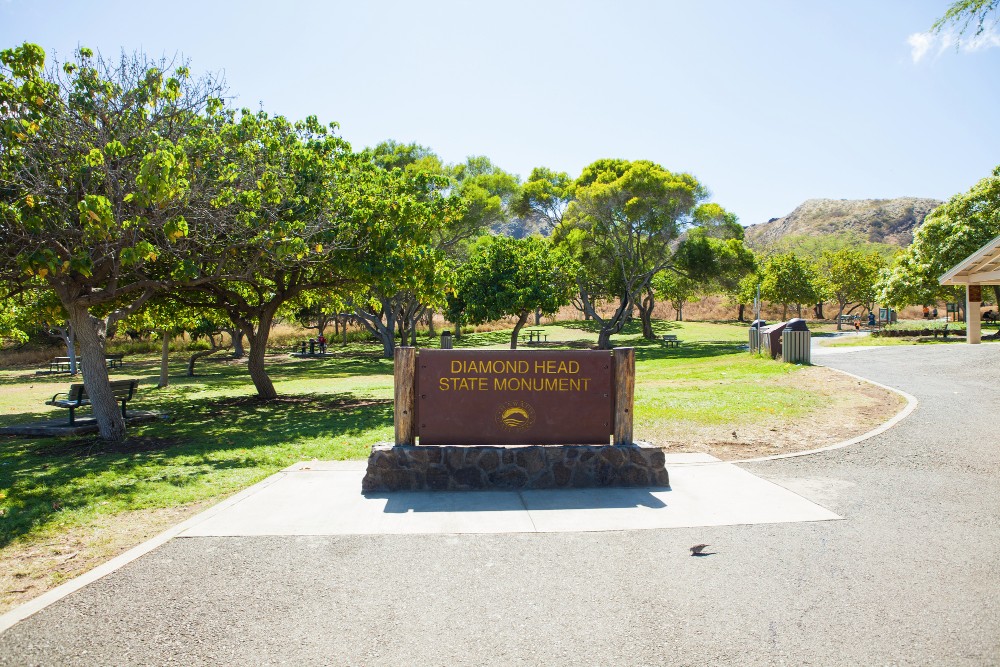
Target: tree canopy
pixel 950 233
pixel 101 201
pixel 621 223
pixel 965 14
pixel 507 277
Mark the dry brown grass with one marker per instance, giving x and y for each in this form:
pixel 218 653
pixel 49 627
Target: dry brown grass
pixel 31 567
pixel 850 408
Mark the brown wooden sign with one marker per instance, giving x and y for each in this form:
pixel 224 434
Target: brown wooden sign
pixel 975 293
pixel 505 397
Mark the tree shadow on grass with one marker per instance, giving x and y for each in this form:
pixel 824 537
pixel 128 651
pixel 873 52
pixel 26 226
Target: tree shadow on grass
pixel 225 374
pixel 703 349
pixel 41 477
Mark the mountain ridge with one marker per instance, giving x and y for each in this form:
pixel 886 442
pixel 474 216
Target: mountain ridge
pixel 890 221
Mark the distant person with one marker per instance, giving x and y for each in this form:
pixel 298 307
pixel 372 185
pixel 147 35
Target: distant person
pixel 322 343
pixel 934 313
pixel 871 320
pixel 857 323
pixel 927 312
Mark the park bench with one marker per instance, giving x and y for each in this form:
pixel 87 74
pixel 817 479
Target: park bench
pixel 669 340
pixel 76 397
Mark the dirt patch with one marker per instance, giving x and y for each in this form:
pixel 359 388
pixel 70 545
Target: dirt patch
pixel 29 568
pixel 847 408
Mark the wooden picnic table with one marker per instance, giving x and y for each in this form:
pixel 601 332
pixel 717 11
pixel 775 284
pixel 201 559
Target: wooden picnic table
pixel 60 364
pixel 536 335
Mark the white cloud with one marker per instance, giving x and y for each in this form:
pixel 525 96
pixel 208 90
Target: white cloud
pixel 988 39
pixel 924 43
pixel 920 43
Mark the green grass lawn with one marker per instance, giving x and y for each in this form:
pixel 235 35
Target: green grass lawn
pixel 220 439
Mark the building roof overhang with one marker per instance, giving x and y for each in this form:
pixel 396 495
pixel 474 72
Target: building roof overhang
pixel 980 268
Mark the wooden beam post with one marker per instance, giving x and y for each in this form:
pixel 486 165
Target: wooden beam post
pixel 405 412
pixel 624 374
pixel 973 319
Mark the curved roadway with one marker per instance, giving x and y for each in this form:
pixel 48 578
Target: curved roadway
pixel 910 576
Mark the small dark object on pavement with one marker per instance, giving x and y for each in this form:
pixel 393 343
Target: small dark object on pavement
pixel 698 549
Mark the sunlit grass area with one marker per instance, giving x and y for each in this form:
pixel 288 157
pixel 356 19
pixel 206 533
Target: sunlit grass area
pixel 219 438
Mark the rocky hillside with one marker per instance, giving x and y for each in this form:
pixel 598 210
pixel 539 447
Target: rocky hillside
pixel 879 220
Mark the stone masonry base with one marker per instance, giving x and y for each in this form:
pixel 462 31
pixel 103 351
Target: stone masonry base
pixel 461 468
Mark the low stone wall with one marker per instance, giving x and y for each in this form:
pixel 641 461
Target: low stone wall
pixel 952 332
pixel 456 468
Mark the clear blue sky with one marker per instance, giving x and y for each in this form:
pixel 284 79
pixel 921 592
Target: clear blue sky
pixel 768 103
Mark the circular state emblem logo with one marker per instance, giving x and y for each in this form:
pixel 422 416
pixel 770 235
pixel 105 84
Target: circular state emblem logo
pixel 515 416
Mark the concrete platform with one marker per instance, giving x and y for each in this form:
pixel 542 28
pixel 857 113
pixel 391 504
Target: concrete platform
pixel 324 498
pixel 81 425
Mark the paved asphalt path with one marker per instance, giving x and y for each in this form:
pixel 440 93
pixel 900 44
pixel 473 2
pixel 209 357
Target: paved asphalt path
pixel 910 576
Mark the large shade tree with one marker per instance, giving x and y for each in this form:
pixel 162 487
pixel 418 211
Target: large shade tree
pixel 309 215
pixel 621 224
pixel 417 277
pixel 789 279
pixel 101 200
pixel 506 277
pixel 850 276
pixel 951 232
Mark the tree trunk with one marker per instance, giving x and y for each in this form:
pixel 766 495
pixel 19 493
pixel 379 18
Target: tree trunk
pixel 798 310
pixel 839 313
pixel 202 353
pixel 739 314
pixel 255 365
pixel 521 319
pixel 614 325
pixel 164 358
pixel 90 332
pixel 74 366
pixel 679 310
pixel 430 323
pixel 255 360
pixel 784 312
pixel 236 336
pixel 381 324
pixel 819 311
pixel 538 316
pixel 65 334
pixel 646 306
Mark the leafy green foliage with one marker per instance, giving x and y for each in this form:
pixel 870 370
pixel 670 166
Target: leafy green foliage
pixel 544 197
pixel 620 226
pixel 950 233
pixel 512 277
pixel 789 279
pixel 676 288
pixel 965 13
pixel 851 275
pixel 100 206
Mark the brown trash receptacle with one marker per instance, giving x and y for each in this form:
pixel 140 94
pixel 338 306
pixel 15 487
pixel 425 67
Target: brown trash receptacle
pixel 796 341
pixel 770 339
pixel 446 341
